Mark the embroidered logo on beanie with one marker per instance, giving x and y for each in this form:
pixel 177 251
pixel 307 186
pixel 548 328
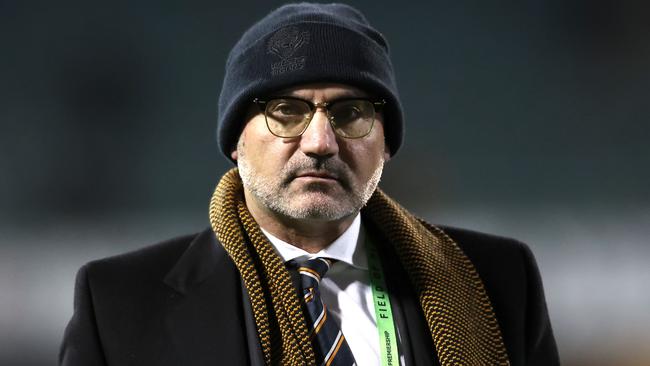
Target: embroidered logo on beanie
pixel 284 44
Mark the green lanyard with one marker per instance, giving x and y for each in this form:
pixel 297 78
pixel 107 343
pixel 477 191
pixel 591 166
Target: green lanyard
pixel 383 312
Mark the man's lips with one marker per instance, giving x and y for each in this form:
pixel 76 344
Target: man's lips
pixel 317 176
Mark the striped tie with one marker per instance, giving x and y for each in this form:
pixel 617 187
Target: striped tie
pixel 329 344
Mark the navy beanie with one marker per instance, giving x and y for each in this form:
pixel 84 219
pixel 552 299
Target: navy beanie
pixel 306 43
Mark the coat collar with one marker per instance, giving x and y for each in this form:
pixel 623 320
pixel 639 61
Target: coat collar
pixel 202 256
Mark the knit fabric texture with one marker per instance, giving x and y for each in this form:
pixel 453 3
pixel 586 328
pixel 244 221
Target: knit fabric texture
pixel 307 43
pixel 458 312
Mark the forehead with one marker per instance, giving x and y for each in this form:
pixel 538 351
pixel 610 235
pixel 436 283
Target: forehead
pixel 322 91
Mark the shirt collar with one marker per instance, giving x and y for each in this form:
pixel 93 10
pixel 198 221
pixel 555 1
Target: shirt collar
pixel 348 248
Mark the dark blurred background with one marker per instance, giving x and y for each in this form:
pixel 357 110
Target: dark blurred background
pixel 525 119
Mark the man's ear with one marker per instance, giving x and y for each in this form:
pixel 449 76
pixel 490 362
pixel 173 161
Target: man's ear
pixel 233 155
pixel 386 152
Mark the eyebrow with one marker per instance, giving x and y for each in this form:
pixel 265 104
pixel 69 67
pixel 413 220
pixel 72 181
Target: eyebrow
pixel 343 95
pixel 331 100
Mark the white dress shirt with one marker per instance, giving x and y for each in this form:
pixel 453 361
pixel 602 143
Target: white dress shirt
pixel 346 290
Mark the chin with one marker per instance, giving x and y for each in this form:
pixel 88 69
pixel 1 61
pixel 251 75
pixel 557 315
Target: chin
pixel 319 206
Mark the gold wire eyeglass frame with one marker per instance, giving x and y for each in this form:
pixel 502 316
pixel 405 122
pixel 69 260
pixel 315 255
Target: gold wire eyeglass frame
pixel 378 105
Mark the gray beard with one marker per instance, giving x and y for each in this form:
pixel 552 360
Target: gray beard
pixel 273 192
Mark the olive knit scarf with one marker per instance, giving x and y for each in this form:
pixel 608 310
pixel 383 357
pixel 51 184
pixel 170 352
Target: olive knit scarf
pixel 459 314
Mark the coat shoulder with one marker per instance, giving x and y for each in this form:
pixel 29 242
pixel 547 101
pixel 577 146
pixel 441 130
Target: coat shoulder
pixel 151 261
pixel 503 263
pixel 491 252
pixel 472 240
pixel 131 280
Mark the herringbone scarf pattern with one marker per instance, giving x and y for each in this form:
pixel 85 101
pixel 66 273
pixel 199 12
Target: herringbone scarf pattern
pixel 458 311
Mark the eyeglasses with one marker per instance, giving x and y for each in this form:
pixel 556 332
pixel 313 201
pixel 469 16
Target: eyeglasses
pixel 351 118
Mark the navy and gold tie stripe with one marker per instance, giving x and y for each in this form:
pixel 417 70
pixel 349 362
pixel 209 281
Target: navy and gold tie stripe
pixel 329 343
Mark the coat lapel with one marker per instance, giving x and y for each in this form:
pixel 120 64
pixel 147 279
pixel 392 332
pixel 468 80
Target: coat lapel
pixel 205 321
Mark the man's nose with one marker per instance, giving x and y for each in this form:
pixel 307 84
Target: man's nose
pixel 319 137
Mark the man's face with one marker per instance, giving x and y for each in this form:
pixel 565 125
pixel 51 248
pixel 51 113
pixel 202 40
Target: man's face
pixel 318 175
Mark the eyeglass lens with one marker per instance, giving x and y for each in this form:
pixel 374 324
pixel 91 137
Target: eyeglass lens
pixel 352 118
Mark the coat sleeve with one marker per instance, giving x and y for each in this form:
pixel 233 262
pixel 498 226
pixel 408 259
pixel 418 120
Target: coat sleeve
pixel 541 349
pixel 81 345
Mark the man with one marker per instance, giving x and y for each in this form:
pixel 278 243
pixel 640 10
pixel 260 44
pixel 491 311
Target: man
pixel 306 261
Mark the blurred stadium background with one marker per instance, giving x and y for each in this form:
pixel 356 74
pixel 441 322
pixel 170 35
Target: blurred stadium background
pixel 525 119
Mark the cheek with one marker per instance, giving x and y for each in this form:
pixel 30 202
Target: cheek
pixel 264 151
pixel 363 155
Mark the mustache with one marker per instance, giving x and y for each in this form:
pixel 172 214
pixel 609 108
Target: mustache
pixel 330 166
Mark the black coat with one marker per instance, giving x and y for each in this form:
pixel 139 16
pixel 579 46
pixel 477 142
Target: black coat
pixel 182 302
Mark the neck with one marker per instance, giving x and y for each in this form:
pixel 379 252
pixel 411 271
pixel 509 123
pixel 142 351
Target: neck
pixel 310 235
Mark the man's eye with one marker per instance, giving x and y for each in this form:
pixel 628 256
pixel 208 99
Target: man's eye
pixel 347 114
pixel 286 109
